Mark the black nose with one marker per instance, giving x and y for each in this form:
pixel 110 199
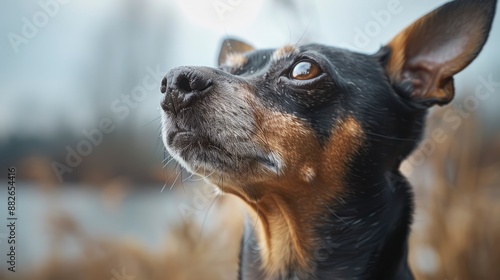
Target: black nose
pixel 182 86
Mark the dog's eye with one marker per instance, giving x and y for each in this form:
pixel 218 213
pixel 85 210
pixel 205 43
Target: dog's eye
pixel 305 70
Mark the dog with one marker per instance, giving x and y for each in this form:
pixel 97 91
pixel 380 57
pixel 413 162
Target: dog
pixel 311 138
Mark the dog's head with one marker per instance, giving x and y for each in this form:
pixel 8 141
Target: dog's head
pixel 290 130
pixel 303 112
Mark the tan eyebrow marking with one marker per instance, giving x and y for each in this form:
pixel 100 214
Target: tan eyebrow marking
pixel 284 52
pixel 236 60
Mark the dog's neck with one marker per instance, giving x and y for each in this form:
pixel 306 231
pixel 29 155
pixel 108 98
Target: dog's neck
pixel 363 236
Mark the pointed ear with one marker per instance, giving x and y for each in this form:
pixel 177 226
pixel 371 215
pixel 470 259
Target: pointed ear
pixel 425 56
pixel 232 46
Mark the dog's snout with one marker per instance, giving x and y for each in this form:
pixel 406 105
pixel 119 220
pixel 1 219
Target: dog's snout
pixel 163 87
pixel 195 82
pixel 182 86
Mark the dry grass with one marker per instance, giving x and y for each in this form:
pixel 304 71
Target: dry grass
pixel 457 232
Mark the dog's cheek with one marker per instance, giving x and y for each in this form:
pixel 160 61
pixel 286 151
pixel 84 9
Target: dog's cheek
pixel 290 139
pixel 347 139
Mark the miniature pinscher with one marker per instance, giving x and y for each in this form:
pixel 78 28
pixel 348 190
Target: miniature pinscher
pixel 307 135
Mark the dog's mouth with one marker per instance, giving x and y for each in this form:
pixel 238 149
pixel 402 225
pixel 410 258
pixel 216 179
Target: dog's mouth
pixel 204 150
pixel 179 135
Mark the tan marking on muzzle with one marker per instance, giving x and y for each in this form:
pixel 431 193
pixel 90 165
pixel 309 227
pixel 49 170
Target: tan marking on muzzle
pixel 346 140
pixel 308 174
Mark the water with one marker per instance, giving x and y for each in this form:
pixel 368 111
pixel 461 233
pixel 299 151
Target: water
pixel 144 216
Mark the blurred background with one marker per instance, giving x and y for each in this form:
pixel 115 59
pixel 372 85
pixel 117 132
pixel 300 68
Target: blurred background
pixel 97 196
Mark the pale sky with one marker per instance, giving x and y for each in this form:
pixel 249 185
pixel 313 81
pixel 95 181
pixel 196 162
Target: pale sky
pixel 49 79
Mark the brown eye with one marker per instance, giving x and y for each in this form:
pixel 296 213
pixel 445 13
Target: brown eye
pixel 305 70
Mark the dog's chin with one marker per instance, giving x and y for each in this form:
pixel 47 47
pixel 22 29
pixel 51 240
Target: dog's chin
pixel 203 156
